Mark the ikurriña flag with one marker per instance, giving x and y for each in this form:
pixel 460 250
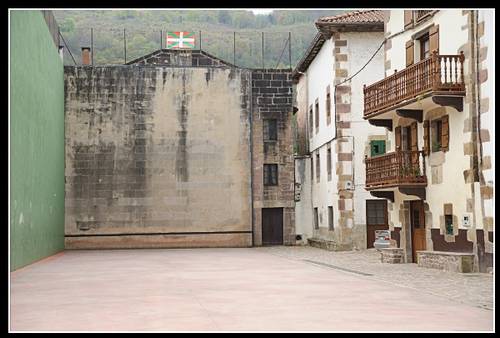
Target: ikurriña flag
pixel 180 40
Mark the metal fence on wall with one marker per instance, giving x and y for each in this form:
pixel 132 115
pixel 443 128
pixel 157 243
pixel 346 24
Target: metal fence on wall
pixel 246 49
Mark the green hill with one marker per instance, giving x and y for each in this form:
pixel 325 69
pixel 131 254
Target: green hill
pixel 143 30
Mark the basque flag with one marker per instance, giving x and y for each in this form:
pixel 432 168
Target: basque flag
pixel 180 40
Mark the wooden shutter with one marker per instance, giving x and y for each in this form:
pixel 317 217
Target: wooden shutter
pixel 410 53
pixel 445 133
pixel 434 39
pixel 397 130
pixel 413 137
pixel 426 138
pixel 408 18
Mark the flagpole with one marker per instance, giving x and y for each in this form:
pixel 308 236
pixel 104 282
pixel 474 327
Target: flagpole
pixel 262 50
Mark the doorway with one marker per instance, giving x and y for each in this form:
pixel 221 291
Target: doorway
pixel 272 226
pixel 417 224
pixel 376 219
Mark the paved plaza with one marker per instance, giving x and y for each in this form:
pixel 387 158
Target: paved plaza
pixel 251 289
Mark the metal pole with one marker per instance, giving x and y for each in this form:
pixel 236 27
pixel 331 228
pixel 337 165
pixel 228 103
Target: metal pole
pixel 161 38
pixel 92 45
pixel 290 48
pixel 234 48
pixel 125 46
pixel 200 41
pixel 262 50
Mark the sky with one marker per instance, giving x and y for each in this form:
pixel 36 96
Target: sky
pixel 261 11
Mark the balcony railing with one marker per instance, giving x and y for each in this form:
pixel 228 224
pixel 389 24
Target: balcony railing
pixel 421 14
pixel 396 169
pixel 441 73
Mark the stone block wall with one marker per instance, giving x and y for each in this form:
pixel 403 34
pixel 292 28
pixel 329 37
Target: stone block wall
pixel 272 99
pixel 157 157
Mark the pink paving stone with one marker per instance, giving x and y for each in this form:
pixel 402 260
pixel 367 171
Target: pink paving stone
pixel 219 290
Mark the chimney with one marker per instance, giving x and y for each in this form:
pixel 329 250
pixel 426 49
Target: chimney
pixel 85 56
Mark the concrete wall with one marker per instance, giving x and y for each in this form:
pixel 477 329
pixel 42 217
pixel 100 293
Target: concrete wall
pixel 303 200
pixel 36 141
pixel 157 157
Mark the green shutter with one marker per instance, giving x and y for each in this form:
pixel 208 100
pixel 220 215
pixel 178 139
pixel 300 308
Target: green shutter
pixel 377 147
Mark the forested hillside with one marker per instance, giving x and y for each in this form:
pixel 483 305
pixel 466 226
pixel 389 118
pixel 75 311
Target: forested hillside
pixel 220 32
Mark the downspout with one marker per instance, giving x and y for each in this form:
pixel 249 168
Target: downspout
pixel 251 156
pixel 475 120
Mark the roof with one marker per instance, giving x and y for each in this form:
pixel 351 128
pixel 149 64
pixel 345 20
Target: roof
pixel 354 17
pixel 356 21
pixel 309 55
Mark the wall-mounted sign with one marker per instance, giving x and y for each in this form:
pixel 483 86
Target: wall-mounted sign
pixel 178 40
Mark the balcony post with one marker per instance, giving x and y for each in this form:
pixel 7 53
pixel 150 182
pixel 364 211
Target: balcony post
pixel 462 59
pixel 437 70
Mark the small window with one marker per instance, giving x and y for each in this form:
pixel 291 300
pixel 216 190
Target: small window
pixel 329 163
pixel 317 167
pixel 448 221
pixel 377 147
pixel 328 106
pixel 436 135
pixel 330 218
pixel 316 114
pixel 270 130
pixel 316 219
pixel 310 120
pixel 270 174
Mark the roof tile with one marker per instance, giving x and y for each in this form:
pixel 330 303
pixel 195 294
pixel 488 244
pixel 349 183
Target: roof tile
pixel 370 16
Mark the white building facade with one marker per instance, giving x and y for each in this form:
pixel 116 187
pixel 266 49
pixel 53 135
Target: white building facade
pixel 436 102
pixel 332 136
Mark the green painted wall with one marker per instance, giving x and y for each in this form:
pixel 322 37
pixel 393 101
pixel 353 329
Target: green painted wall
pixel 36 141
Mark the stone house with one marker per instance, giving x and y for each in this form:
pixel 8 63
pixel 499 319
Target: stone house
pixel 436 101
pixel 333 210
pixel 177 149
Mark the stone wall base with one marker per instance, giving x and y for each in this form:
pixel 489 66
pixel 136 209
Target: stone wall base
pixel 129 241
pixel 328 244
pixel 392 255
pixel 447 261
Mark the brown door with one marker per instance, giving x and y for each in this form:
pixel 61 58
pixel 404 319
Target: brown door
pixel 376 219
pixel 272 226
pixel 417 228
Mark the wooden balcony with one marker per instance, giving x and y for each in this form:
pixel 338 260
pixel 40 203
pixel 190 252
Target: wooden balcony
pixel 419 15
pixel 396 169
pixel 436 75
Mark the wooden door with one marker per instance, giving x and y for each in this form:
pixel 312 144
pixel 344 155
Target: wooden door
pixel 417 221
pixel 376 219
pixel 272 226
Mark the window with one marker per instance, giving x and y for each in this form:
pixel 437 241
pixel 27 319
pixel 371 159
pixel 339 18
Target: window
pixel 424 47
pixel 270 130
pixel 329 162
pixel 376 212
pixel 437 131
pixel 328 106
pixel 317 166
pixel 316 115
pixel 330 218
pixel 316 219
pixel 448 221
pixel 310 120
pixel 377 147
pixel 405 139
pixel 270 174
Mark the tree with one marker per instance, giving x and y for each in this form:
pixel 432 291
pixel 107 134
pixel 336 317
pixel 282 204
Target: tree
pixel 224 18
